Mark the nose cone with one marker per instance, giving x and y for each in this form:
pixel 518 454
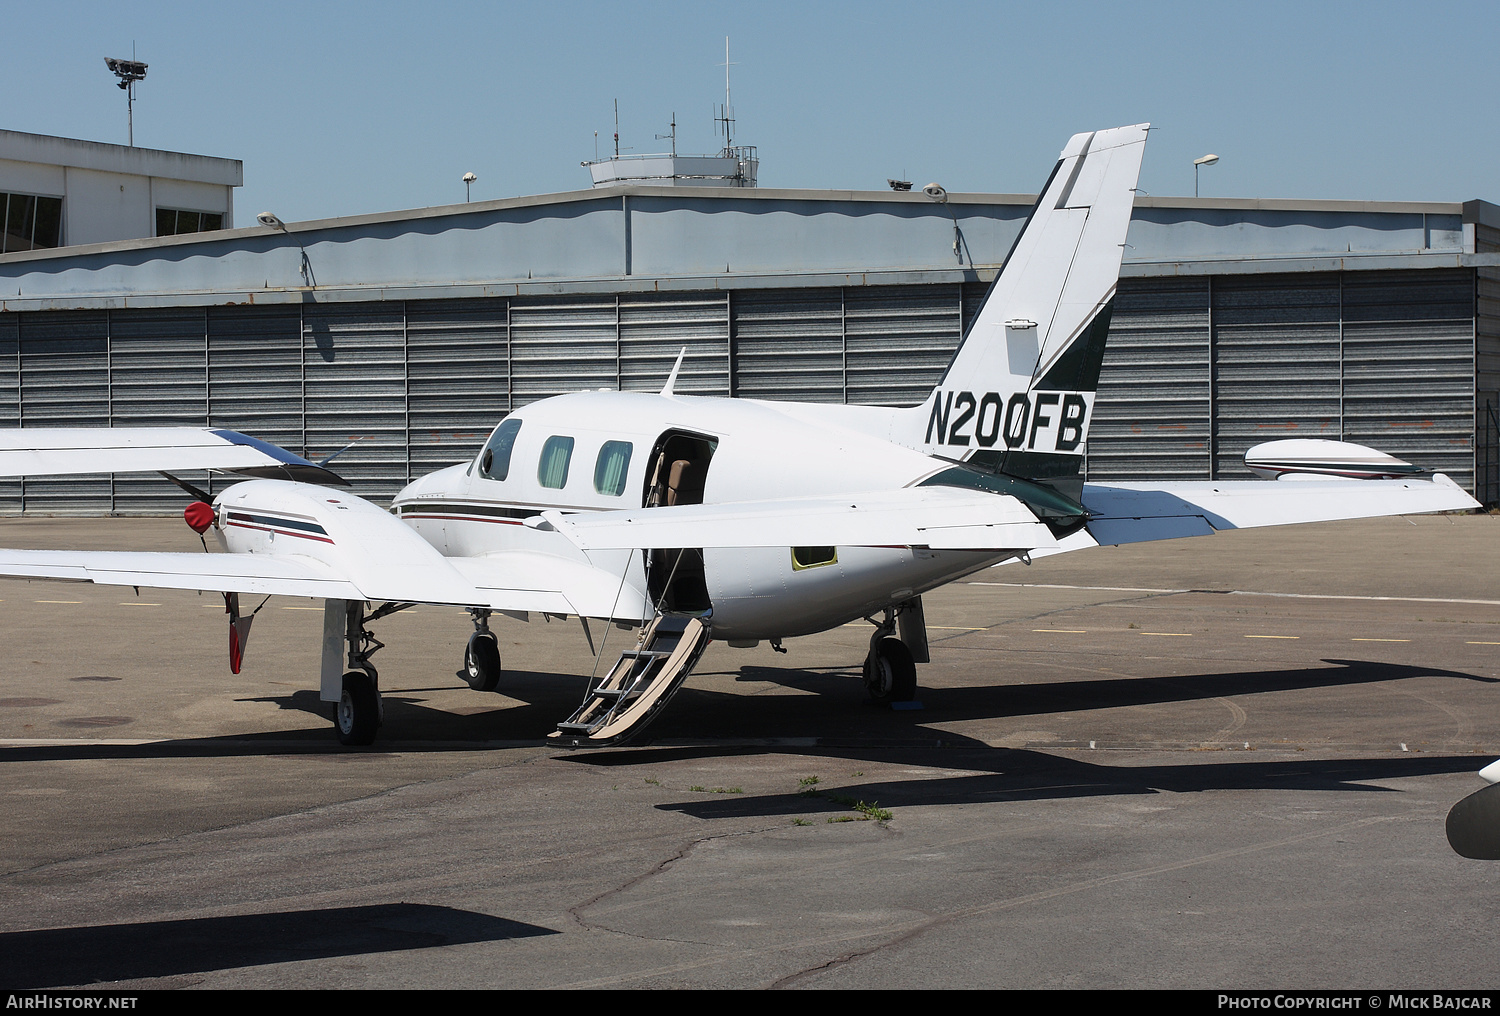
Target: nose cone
pixel 1474 825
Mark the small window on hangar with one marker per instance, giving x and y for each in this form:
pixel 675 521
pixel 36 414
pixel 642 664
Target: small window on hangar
pixel 175 221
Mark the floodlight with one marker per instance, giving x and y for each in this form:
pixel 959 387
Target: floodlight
pixel 129 72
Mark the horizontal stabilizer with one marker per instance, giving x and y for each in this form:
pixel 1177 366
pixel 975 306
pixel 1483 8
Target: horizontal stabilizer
pixel 49 451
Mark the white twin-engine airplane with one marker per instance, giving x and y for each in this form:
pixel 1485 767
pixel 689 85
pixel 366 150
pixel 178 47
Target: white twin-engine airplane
pixel 699 518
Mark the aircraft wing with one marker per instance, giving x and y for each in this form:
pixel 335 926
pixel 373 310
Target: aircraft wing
pixel 520 580
pixel 517 581
pixel 947 518
pixel 1137 512
pixel 57 451
pixel 226 573
pixel 955 519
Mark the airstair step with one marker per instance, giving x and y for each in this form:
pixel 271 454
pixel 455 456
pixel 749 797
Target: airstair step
pixel 614 715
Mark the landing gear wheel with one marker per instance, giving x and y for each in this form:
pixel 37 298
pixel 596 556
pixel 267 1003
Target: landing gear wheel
pixel 358 714
pixel 890 674
pixel 482 661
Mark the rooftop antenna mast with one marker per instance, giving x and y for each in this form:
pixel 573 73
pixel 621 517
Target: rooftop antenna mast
pixel 129 72
pixel 727 117
pixel 672 135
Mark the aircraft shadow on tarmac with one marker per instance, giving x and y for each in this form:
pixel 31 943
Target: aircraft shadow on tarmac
pixel 121 952
pixel 1020 774
pixel 834 707
pixel 999 700
pixel 546 699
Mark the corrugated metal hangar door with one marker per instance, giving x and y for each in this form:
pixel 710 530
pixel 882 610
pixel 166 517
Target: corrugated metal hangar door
pixel 1197 369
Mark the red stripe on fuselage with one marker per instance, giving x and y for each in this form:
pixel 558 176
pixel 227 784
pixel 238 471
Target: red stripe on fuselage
pixel 466 518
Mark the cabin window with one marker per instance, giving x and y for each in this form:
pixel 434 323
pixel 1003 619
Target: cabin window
pixel 494 461
pixel 552 471
pixel 813 557
pixel 612 465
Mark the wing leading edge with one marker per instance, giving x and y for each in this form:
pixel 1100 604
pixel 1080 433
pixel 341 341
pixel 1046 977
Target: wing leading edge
pixel 59 451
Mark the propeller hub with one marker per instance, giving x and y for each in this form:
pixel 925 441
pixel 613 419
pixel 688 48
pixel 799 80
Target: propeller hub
pixel 199 516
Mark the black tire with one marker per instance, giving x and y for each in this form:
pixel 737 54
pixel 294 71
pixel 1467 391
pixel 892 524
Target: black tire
pixel 890 673
pixel 358 714
pixel 482 662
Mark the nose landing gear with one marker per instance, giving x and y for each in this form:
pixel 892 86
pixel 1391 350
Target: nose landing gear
pixel 482 668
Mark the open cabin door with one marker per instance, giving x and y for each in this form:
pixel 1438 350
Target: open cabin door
pixel 638 686
pixel 678 472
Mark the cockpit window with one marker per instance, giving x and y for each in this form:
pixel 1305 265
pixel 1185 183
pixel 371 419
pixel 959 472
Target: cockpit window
pixel 552 470
pixel 612 465
pixel 494 461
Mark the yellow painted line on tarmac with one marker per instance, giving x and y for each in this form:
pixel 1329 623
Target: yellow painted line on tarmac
pixel 1062 631
pixel 1273 636
pixel 1173 634
pixel 1466 643
pixel 1380 640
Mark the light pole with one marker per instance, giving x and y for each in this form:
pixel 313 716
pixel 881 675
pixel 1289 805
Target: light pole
pixel 271 221
pixel 1207 160
pixel 469 178
pixel 936 192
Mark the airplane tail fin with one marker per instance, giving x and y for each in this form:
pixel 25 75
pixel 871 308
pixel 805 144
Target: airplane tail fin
pixel 1019 394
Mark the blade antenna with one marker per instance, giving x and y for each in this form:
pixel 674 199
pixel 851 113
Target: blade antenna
pixel 666 389
pixel 324 461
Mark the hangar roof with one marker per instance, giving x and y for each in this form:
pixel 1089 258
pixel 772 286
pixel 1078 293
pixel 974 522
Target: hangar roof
pixel 652 238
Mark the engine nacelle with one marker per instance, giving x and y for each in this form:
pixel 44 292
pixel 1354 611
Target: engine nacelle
pixel 1316 458
pixel 356 540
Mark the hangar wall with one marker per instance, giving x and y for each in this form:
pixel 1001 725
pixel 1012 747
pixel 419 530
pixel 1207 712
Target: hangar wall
pixel 410 334
pixel 1197 369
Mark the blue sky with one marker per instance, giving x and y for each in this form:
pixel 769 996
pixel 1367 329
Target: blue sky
pixel 344 108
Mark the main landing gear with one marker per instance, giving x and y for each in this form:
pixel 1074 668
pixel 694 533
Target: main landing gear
pixel 482 668
pixel 890 671
pixel 359 711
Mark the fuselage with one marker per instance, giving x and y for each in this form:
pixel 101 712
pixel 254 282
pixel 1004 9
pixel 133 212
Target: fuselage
pixel 597 451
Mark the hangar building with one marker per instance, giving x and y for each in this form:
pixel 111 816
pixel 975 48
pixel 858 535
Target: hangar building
pixel 410 334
